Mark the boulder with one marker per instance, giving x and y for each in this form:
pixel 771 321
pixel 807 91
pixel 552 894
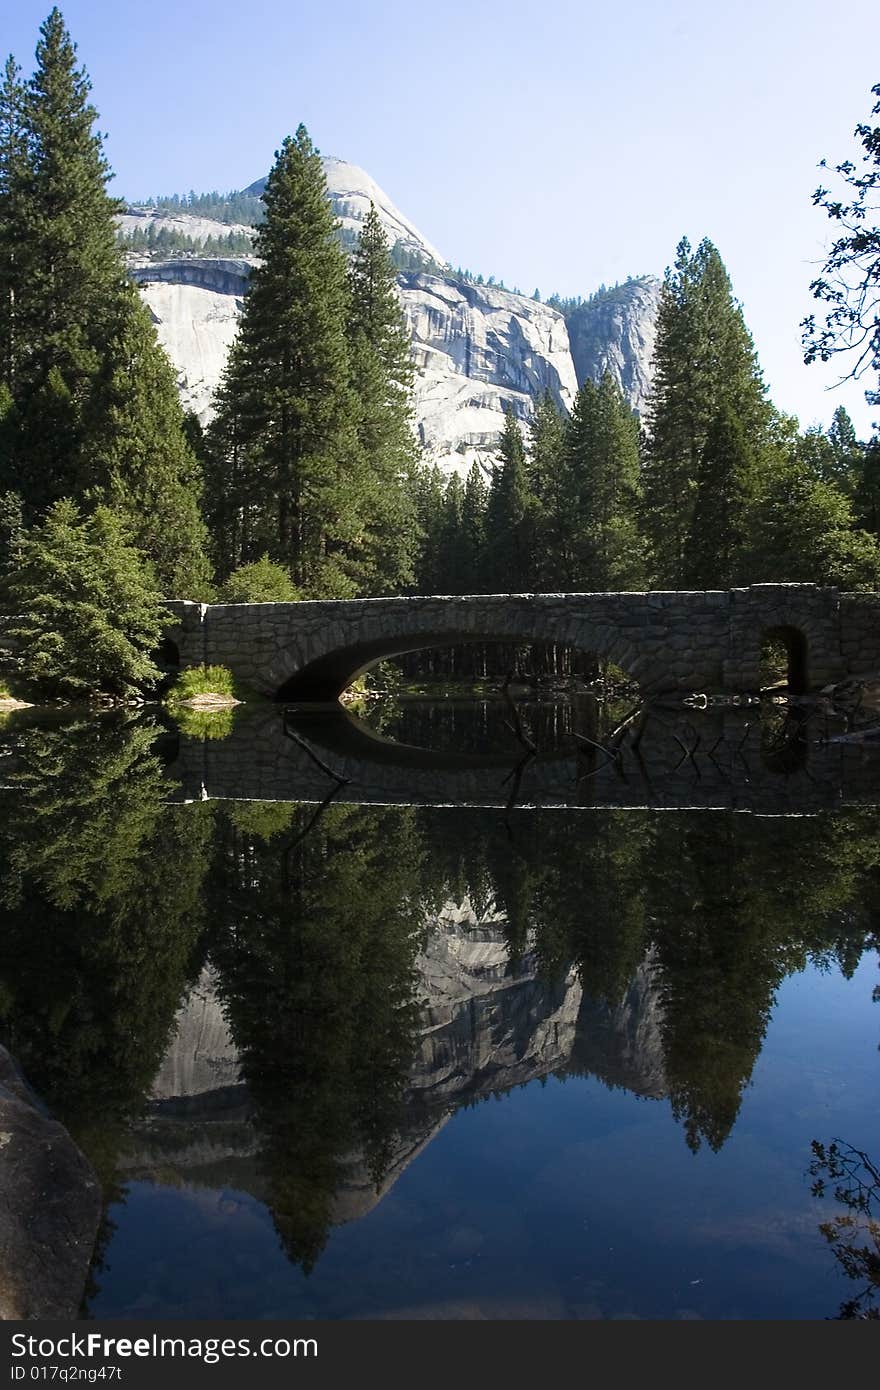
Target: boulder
pixel 50 1207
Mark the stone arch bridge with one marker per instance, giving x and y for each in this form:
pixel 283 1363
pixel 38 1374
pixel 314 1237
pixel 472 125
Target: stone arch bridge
pixel 668 642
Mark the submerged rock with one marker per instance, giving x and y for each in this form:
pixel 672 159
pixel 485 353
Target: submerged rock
pixel 50 1209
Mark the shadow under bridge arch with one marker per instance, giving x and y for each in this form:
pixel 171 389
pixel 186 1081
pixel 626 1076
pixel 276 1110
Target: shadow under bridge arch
pixel 322 676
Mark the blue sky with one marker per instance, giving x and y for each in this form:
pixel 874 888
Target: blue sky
pixel 558 145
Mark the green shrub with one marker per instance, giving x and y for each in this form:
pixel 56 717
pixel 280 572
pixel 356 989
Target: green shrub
pixel 201 680
pixel 263 581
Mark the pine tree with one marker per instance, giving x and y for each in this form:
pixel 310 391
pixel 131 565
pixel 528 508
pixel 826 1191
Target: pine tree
pixel 92 613
pixel 704 359
pixel 601 485
pixel 867 489
pixel 136 448
pixel 428 493
pixel 283 444
pixel 547 486
pixel 510 516
pixel 13 157
pixel 90 411
pixel 847 450
pixel 457 559
pixel 725 488
pixel 262 581
pixel 473 525
pixel 230 505
pixel 381 379
pixel 801 528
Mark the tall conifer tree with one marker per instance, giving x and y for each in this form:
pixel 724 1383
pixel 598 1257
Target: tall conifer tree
pixel 283 448
pixel 428 493
pixel 13 157
pixel 704 360
pixel 725 490
pixel 473 525
pixel 88 406
pixel 546 483
pixel 382 378
pixel 601 484
pixel 510 516
pixel 454 562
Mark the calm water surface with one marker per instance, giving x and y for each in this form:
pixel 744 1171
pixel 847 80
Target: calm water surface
pixel 555 1041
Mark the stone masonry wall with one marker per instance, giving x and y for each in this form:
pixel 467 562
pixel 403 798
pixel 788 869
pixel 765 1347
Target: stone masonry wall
pixel 669 642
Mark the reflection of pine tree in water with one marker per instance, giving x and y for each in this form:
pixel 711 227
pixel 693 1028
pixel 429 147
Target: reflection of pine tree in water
pixel 739 903
pixel 100 887
pixel 718 970
pixel 592 902
pixel 728 905
pixel 575 881
pixel 318 927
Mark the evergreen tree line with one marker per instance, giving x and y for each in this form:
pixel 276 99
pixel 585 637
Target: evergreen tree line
pixel 236 207
pixel 109 497
pixel 717 488
pixel 159 242
pixel 221 207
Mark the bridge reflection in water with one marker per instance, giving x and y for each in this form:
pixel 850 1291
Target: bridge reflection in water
pixel 726 759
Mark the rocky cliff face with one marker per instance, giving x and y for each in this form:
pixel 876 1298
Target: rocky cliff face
pixel 202 1056
pixel 615 331
pixel 479 350
pixel 196 326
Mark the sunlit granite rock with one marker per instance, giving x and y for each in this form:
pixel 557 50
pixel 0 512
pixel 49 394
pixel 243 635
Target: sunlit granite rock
pixel 480 350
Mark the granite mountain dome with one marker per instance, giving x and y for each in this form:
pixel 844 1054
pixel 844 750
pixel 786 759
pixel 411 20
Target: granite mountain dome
pixel 351 191
pixel 479 349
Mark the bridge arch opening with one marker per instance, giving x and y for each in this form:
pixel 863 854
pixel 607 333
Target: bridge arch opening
pixel 785 659
pixel 168 655
pixel 466 657
pixel 524 665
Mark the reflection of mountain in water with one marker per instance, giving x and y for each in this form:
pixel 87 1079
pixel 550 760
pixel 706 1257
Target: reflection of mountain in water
pixel 486 1025
pixel 374 968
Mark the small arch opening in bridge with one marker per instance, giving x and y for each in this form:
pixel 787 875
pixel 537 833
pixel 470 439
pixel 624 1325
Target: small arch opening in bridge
pixel 784 659
pixel 167 656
